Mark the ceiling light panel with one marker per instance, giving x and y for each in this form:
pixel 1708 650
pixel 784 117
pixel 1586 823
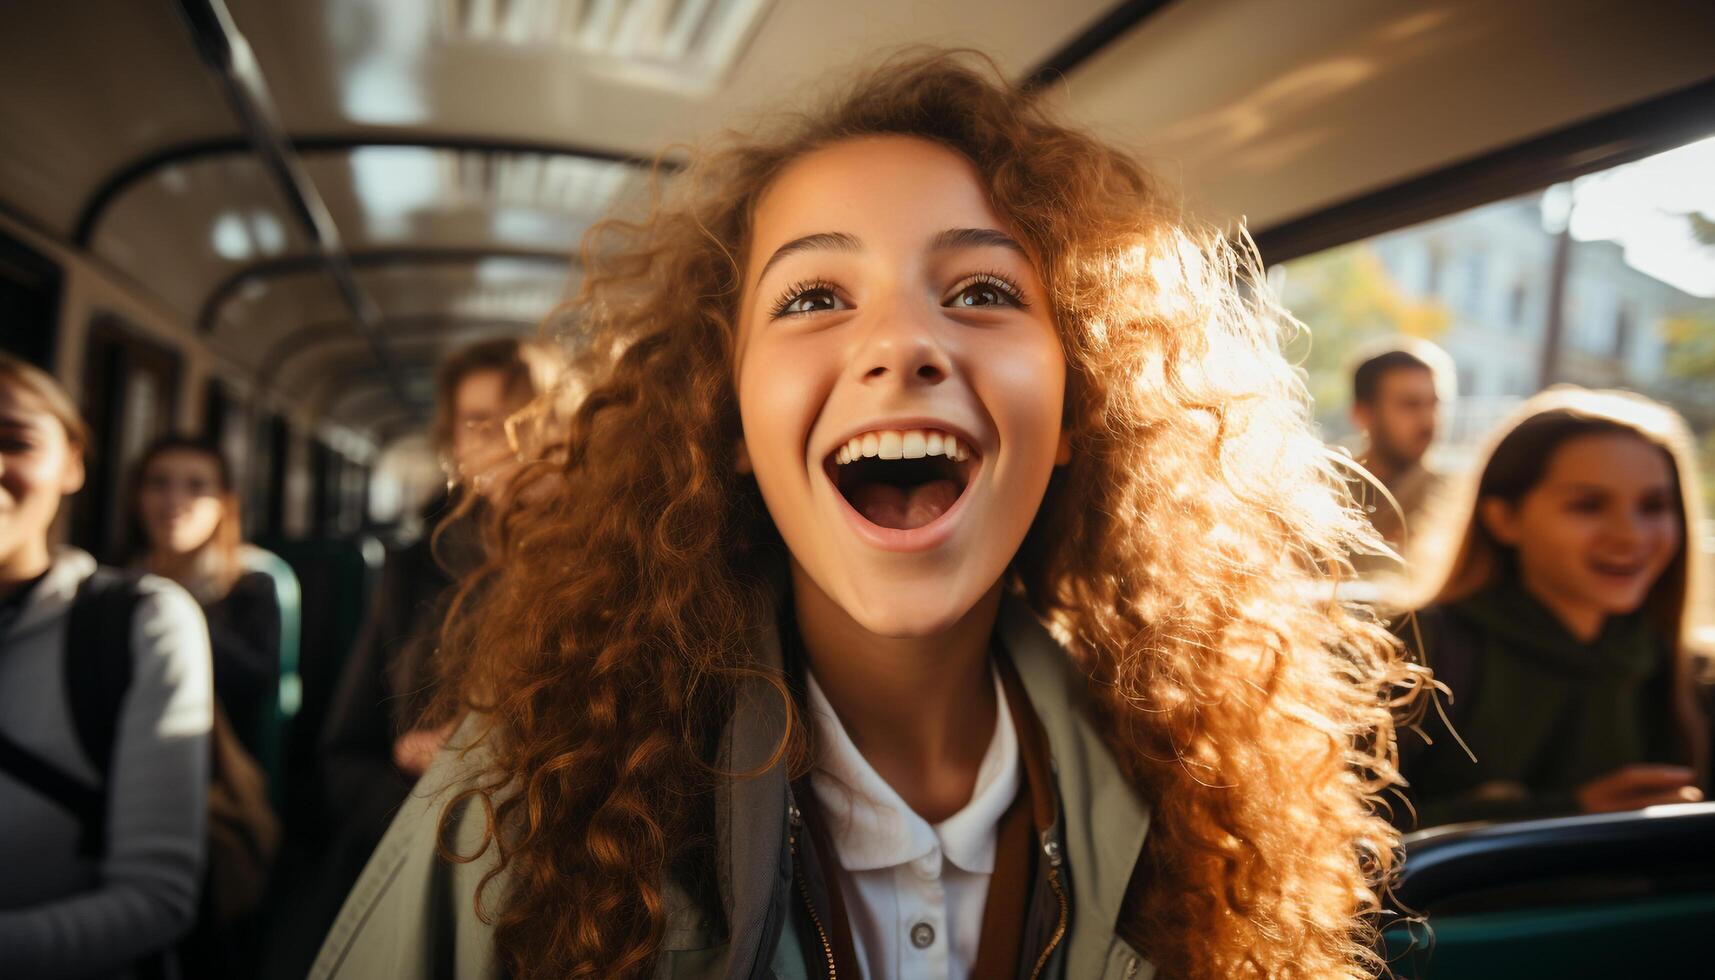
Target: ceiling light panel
pixel 685 45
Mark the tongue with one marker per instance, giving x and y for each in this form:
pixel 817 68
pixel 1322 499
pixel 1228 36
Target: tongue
pixel 903 508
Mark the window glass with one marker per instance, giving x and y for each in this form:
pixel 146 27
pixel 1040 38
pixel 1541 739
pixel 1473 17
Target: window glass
pixel 1629 252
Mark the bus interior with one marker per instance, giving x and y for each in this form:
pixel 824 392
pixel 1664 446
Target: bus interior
pixel 267 223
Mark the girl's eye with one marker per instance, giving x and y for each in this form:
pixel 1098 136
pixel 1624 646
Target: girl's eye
pixel 1585 505
pixel 985 290
pixel 806 298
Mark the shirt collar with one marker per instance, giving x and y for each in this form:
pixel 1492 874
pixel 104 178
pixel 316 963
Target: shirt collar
pixel 871 825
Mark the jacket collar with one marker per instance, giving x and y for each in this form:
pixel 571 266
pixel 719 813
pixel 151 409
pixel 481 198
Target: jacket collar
pixel 755 864
pixel 1104 819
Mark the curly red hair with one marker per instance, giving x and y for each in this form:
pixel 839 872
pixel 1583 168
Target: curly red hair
pixel 1185 557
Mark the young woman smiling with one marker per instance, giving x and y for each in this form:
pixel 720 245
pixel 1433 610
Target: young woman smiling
pixel 1561 622
pixel 927 592
pixel 186 527
pixel 101 828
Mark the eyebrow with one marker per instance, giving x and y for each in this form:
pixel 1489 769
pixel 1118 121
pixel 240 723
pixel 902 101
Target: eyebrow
pixel 949 240
pixel 956 238
pixel 1597 488
pixel 835 241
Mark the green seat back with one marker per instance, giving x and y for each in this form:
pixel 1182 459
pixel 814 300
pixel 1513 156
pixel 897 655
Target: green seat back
pixel 337 577
pixel 289 688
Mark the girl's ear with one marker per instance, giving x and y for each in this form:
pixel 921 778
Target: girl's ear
pixel 1063 452
pixel 1497 515
pixel 71 474
pixel 742 453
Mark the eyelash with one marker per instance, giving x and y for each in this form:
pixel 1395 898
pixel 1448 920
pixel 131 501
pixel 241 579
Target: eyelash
pixel 796 292
pixel 998 280
pixel 799 290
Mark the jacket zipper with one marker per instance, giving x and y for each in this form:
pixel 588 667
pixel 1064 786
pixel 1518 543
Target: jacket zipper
pixel 1051 848
pixel 809 906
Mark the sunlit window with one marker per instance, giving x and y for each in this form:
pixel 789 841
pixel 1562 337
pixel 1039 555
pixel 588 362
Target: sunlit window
pixel 1635 309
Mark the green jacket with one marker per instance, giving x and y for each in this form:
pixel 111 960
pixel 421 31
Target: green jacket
pixel 412 915
pixel 1543 712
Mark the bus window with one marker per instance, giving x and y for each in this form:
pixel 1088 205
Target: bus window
pixel 1606 281
pixel 130 391
pixel 226 423
pixel 268 478
pixel 29 303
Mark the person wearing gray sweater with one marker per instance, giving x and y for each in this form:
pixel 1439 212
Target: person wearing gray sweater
pixel 102 911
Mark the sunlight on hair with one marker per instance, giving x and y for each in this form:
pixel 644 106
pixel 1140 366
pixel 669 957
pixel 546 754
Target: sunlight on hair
pixel 1185 557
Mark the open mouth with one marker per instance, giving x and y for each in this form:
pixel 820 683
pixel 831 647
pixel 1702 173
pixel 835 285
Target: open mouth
pixel 902 478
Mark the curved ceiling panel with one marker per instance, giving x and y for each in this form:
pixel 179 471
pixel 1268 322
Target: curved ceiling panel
pixel 1272 110
pixel 262 324
pixel 203 231
pixel 346 394
pixel 627 75
pixel 188 226
pixel 394 195
pixel 252 311
pixel 308 355
pixel 108 84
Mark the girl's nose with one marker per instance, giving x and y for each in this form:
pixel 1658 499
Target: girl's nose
pixel 1625 527
pixel 902 347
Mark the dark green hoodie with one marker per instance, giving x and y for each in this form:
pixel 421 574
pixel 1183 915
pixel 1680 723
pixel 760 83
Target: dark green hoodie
pixel 1543 712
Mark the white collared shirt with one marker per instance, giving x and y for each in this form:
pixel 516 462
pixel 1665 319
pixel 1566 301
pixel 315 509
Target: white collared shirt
pixel 914 892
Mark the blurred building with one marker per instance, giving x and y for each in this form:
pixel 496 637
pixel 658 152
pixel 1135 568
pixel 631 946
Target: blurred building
pixel 1492 270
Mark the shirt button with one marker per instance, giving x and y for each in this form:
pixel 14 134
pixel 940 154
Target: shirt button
pixel 922 935
pixel 928 866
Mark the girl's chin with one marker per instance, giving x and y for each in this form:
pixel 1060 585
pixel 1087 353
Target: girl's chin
pixel 1620 601
pixel 901 612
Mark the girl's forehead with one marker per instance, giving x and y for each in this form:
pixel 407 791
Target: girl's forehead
pixel 480 389
pixel 889 186
pixel 1613 458
pixel 180 460
pixel 21 408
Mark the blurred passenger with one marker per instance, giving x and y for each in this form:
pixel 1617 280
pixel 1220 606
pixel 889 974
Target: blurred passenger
pixel 185 526
pixel 1396 395
pixel 374 748
pixel 105 712
pixel 1560 618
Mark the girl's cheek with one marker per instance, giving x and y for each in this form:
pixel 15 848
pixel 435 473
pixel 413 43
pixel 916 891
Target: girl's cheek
pixel 1667 538
pixel 777 402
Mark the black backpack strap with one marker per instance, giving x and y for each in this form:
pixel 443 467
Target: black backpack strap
pixel 97 674
pixel 87 803
pixel 98 659
pixel 98 663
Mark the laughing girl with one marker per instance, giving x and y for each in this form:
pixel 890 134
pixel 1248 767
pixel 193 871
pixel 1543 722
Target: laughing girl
pixel 935 588
pixel 1563 617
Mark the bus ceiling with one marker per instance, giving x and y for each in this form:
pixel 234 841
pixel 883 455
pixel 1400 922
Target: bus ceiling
pixel 343 182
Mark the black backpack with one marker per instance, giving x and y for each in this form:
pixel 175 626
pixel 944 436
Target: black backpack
pixel 98 664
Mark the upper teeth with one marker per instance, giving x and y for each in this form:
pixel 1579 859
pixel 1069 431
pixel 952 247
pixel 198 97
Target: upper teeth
pixel 903 444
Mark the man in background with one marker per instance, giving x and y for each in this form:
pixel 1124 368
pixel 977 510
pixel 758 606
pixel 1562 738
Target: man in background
pixel 1397 394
